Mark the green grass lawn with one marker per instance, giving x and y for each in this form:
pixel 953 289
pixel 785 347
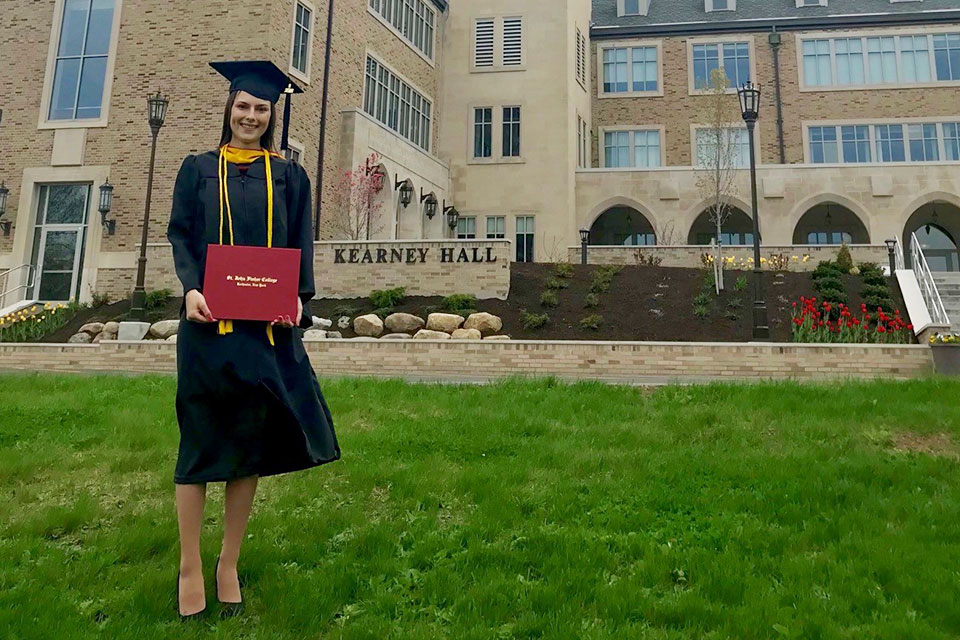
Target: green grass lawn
pixel 516 510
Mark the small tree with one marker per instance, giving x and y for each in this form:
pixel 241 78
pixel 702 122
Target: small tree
pixel 717 156
pixel 357 212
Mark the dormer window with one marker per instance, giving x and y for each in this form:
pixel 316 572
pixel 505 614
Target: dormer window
pixel 720 5
pixel 811 3
pixel 633 7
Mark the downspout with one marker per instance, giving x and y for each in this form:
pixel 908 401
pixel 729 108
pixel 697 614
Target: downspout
pixel 323 123
pixel 775 43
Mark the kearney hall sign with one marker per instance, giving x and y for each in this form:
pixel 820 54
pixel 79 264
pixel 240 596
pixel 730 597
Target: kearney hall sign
pixel 411 255
pixel 352 269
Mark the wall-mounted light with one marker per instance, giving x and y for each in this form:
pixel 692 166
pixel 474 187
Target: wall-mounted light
pixel 406 191
pixel 106 204
pixel 5 224
pixel 378 176
pixel 453 216
pixel 429 204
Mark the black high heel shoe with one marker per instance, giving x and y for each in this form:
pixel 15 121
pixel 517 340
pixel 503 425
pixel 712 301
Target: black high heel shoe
pixel 191 616
pixel 227 609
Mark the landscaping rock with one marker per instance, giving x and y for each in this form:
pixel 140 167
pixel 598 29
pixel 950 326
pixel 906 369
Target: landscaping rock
pixel 466 334
pixel 97 339
pixel 323 323
pixel 343 322
pixel 111 327
pixel 497 338
pixel 427 334
pixel 314 334
pixel 164 329
pixel 334 335
pixel 484 322
pixel 447 322
pixel 403 322
pixel 80 338
pixel 172 338
pixel 369 325
pixel 396 336
pixel 93 328
pixel 132 330
pixel 364 339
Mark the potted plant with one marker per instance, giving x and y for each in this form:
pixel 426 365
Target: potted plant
pixel 946 353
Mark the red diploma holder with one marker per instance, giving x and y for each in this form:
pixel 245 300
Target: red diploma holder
pixel 251 283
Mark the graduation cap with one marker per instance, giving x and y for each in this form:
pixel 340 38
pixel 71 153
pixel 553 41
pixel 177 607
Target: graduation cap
pixel 264 80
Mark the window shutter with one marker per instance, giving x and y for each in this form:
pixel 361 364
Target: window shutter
pixel 512 42
pixel 483 43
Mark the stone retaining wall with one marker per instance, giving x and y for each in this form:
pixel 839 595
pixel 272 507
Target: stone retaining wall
pixel 689 256
pixel 451 361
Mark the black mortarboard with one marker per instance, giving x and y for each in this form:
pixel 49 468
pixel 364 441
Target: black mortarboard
pixel 262 79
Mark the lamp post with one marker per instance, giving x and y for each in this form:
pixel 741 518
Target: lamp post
pixel 891 254
pixel 750 109
pixel 106 204
pixel 3 208
pixel 157 112
pixel 584 238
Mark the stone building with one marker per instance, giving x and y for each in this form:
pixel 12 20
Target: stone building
pixel 531 120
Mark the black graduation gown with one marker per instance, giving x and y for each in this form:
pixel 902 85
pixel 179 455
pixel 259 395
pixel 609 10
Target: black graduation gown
pixel 244 406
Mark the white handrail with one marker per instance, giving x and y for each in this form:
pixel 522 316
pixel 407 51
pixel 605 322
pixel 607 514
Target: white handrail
pixel 898 257
pixel 5 276
pixel 928 287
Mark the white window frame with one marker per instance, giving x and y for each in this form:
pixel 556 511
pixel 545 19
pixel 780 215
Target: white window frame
pixel 370 53
pixel 520 126
pixel 463 220
pixel 43 121
pixel 659 128
pixel 708 6
pixel 533 233
pixel 630 45
pixel 473 133
pixel 486 223
pixel 874 156
pixel 896 33
pixel 498 66
pixel 429 59
pixel 296 73
pixel 730 125
pixel 297 146
pixel 720 41
pixel 642 5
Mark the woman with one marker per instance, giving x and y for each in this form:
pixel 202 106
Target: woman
pixel 248 402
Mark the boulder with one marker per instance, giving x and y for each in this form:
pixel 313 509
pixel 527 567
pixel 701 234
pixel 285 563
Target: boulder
pixel 172 338
pixel 93 328
pixel 484 322
pixel 497 338
pixel 164 329
pixel 466 334
pixel 343 322
pixel 323 323
pixel 98 338
pixel 403 322
pixel 130 330
pixel 80 338
pixel 314 334
pixel 427 334
pixel 447 322
pixel 369 325
pixel 334 335
pixel 111 327
pixel 396 336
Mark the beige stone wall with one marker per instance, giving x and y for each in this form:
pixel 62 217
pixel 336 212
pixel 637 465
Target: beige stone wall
pixel 620 362
pixel 800 257
pixel 354 269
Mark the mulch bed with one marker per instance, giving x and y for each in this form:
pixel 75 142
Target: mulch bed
pixel 643 303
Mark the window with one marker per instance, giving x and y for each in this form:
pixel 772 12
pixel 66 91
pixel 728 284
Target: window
pixel 859 143
pixel 881 60
pixel 412 19
pixel 81 63
pixel 524 238
pixel 467 228
pixel 301 39
pixel 890 143
pixel 631 7
pixel 823 144
pixel 586 144
pixel 735 138
pixel 630 69
pixel 829 237
pixel 397 105
pixel 581 59
pixel 482 132
pixel 579 141
pixel 707 58
pixel 512 42
pixel 483 42
pixel 293 154
pixel 639 149
pixel 719 5
pixel 924 146
pixel 496 227
pixel 951 140
pixel 511 132
pixel 856 143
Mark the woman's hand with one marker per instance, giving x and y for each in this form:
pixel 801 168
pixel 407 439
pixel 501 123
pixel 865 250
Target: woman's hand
pixel 197 309
pixel 285 321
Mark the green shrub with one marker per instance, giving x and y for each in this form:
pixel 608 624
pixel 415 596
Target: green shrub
pixel 876 291
pixel 740 284
pixel 459 301
pixel 610 270
pixel 345 310
pixel 701 310
pixel 591 322
pixel 100 299
pixel 829 282
pixel 466 313
pixel 868 268
pixel 592 301
pixel 844 259
pixel 155 299
pixel 710 280
pixel 731 315
pixel 383 312
pixel 702 299
pixel 875 279
pixel 833 296
pixel 564 270
pixel 549 299
pixel 883 302
pixel 735 303
pixel 533 321
pixel 600 285
pixel 826 268
pixel 382 298
pixel 556 284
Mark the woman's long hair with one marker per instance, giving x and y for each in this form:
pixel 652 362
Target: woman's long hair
pixel 226 134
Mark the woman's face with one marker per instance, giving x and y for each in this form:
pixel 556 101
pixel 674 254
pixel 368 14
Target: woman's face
pixel 249 119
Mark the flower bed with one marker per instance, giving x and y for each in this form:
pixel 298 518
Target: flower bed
pixel 34 322
pixel 825 322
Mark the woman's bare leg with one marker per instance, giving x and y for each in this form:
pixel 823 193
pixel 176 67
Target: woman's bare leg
pixel 190 501
pixel 238 504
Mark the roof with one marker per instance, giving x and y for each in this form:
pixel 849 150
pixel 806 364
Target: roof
pixel 689 16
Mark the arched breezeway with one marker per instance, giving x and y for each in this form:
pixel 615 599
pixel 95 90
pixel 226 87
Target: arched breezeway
pixel 622 225
pixel 736 230
pixel 830 223
pixel 937 227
